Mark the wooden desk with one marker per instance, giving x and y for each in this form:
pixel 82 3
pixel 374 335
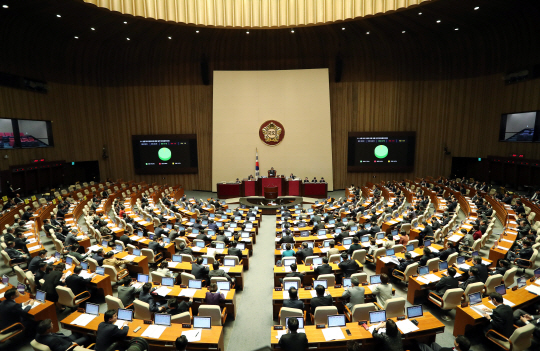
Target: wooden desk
pixel 382 267
pixel 429 326
pixel 309 273
pixel 210 338
pixel 225 252
pixel 236 272
pixel 139 264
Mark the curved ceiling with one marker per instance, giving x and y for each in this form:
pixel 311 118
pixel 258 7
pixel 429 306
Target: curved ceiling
pixel 254 13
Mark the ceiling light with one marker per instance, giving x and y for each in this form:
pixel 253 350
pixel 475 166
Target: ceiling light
pixel 367 33
pixel 438 21
pixel 247 32
pixel 93 28
pixel 125 22
pixel 419 13
pixel 76 37
pixel 403 32
pixel 128 39
pixel 170 37
pixel 342 28
pixel 58 16
pixel 197 31
pixel 292 30
pixel 5 6
pixel 456 28
pixel 477 8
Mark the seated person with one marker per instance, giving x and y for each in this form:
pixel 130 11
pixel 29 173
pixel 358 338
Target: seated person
pixel 355 293
pixel 348 266
pixel 501 319
pixel 293 341
pixel 461 343
pixel 214 296
pixel 57 341
pixel 383 291
pixel 403 264
pixel 110 260
pixel 174 307
pixel 502 267
pixel 324 268
pixel 428 255
pixel 108 334
pixel 216 272
pixel 293 301
pixel 320 299
pixel 447 282
pixel 473 278
pixel 391 340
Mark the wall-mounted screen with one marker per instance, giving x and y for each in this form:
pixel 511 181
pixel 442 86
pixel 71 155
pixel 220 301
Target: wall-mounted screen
pixel 381 151
pixel 165 154
pixel 522 127
pixel 25 133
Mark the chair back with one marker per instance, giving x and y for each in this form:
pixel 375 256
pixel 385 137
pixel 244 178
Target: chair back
pixel 65 296
pixel 38 346
pixel 334 258
pixel 75 261
pixel 330 279
pixel 406 228
pixel 186 258
pixel 218 279
pixel 157 276
pixel 213 311
pixel 452 298
pixel 493 281
pixel 362 277
pixel 121 243
pixel 185 277
pixel 31 279
pixel 111 272
pixel 309 260
pixel 322 312
pixel 210 259
pixel 148 253
pixel 433 264
pixel 6 257
pixel 413 243
pixel 381 251
pixel 21 276
pixel 293 279
pixel 59 246
pixel 113 303
pixel 361 311
pixel 398 248
pixel 286 312
pixel 395 307
pixel 452 259
pixel 359 255
pixel 141 310
pixel 180 318
pixel 177 242
pixel 471 289
pixel 521 337
pixel 509 277
pixel 92 264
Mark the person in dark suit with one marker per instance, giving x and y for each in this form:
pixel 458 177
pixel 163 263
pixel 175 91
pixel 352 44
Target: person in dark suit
pixel 108 333
pixel 502 319
pixel 199 270
pixel 426 232
pixel 99 256
pixel 391 340
pixel 347 266
pixel 220 236
pixel 293 341
pixel 448 282
pixel 174 307
pixel 320 299
pixel 233 251
pixel 156 245
pixel 461 343
pixel 473 278
pixel 482 269
pixel 428 255
pixel 355 246
pixel 33 266
pixel 146 296
pixel 449 250
pixel 502 267
pixel 286 237
pixel 293 301
pixel 41 273
pixel 13 312
pixel 304 252
pixel 125 239
pixel 127 292
pixel 76 283
pixel 324 268
pixel 403 264
pixel 57 341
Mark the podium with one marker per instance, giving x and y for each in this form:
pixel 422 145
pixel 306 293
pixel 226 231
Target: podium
pixel 271 173
pixel 271 192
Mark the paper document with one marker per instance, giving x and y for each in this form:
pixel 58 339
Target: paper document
pixel 372 328
pixel 423 280
pixel 85 275
pixel 479 309
pixel 163 291
pixel 406 326
pixel 455 238
pixel 508 303
pixel 225 269
pixel 35 304
pixel 314 293
pixel 486 263
pixel 187 292
pixel 333 334
pixel 503 248
pixel 325 249
pixel 285 295
pixel 193 335
pixel 120 324
pixel 372 287
pixel 322 236
pixel 279 334
pixel 432 277
pixel 433 249
pixel 137 285
pixel 533 289
pixel 508 241
pixel 389 259
pixel 154 331
pixel 414 254
pixel 464 266
pixel 83 319
pixel 129 258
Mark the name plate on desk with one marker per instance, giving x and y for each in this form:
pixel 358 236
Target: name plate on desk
pixel 147 321
pixel 307 288
pixel 186 325
pixel 321 326
pixel 278 327
pixel 337 286
pixel 279 289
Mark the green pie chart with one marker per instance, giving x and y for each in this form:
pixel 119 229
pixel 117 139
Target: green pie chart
pixel 381 151
pixel 164 154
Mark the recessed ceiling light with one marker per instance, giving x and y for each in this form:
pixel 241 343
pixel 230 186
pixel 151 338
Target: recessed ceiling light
pixel 93 28
pixel 292 30
pixel 419 13
pixel 125 22
pixel 456 28
pixel 438 21
pixel 404 32
pixel 247 32
pixel 5 6
pixel 477 8
pixel 76 37
pixel 170 37
pixel 128 39
pixel 58 16
pixel 197 31
pixel 342 28
pixel 367 33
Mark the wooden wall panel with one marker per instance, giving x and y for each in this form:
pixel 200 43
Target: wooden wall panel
pixel 445 85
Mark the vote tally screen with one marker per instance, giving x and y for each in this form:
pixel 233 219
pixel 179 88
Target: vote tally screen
pixel 166 154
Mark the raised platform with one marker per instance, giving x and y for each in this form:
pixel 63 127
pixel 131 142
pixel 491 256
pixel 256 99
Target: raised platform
pixel 269 206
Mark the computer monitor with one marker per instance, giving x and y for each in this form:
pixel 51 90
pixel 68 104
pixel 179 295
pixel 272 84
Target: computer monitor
pixel 375 279
pixel 151 236
pixel 249 225
pixel 92 308
pixel 162 319
pixel 241 246
pixel 229 262
pixel 220 245
pixel 460 259
pixel 104 243
pixel 364 238
pixel 347 282
pixel 5 279
pixel 57 255
pixel 377 316
pixel 40 295
pixel 537 273
pixel 310 244
pixel 228 233
pixel 332 221
pixel 427 243
pixel 195 231
pixel 521 282
pixel 288 262
pixel 501 289
pixel 222 285
pixel 139 234
pixel 414 311
pixel 475 253
pixel 475 298
pixel 125 315
pixel 166 281
pixel 136 252
pixel 212 215
pixel 326 243
pixel 409 247
pixel 177 258
pixel 245 235
pixel 380 236
pixel 211 233
pixel 205 222
pixel 199 243
pixel 192 220
pixel 202 322
pixel 310 210
pixel 390 252
pixel 142 278
pixel 347 241
pixel 195 284
pixel 237 218
pixel 119 248
pixel 205 261
pixel 169 226
pixel 233 225
pixel 322 282
pixel 317 261
pixel 338 230
pixel 290 284
pixel 84 265
pixel 443 266
pixel 394 232
pixel 336 320
pixel 300 322
pixel 100 270
pixel 354 228
pixel 69 261
pixel 21 288
pixel 322 232
pixel 423 270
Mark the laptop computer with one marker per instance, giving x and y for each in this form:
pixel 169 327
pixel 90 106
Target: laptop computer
pixel 199 243
pixel 41 295
pixel 222 285
pixel 364 238
pixel 136 252
pixel 169 226
pixel 290 284
pixel 375 279
pixel 21 288
pixel 288 261
pixel 195 284
pixel 249 225
pixel 177 258
pixel 241 246
pixel 326 243
pixel 104 243
pixel 69 261
pixel 233 225
pixel 140 234
pixel 460 260
pixel 220 245
pixel 142 278
pixel 125 315
pixel 100 270
pixel 245 235
pixel 377 316
pixel 475 299
pixel 409 247
pixel 537 273
pixel 521 282
pixel 394 232
pixel 162 319
pixel 443 266
pixel 390 252
pixel 310 244
pixel 321 232
pixel 322 282
pixel 317 261
pixel 347 241
pixel 336 320
pixel 167 281
pixel 423 270
pixel 195 231
pixel 151 236
pixel 202 322
pixel 380 236
pixel 5 279
pixel 347 282
pixel 414 311
pixel 229 262
pixel 119 248
pixel 84 265
pixel 92 308
pixel 427 243
pixel 300 322
pixel 501 289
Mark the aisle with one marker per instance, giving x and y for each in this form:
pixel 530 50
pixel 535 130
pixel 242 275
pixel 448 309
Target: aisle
pixel 254 319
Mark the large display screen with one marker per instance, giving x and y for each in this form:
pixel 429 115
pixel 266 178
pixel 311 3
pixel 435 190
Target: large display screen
pixel 165 154
pixel 381 151
pixel 523 127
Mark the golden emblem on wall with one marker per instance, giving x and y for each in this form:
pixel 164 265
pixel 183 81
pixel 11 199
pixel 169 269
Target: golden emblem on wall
pixel 271 132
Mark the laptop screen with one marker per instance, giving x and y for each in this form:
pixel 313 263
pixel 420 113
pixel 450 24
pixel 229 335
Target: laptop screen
pixel 230 262
pixel 105 243
pixel 167 281
pixel 140 233
pixel 414 311
pixel 192 220
pixel 322 282
pixel 245 234
pixel 125 315
pixel 501 289
pixel 377 316
pixel 380 236
pixel 220 245
pixel 195 284
pixel 423 270
pixel 537 273
pixel 475 298
pixel 5 279
pixel 100 270
pixel 69 260
pixel 136 252
pixel 347 282
pixel 461 259
pixel 92 308
pixel 410 247
pixel 40 296
pixel 211 233
pixel 347 241
pixel 443 266
pixel 288 262
pixel 162 319
pixel 199 243
pixel 232 225
pixel 521 282
pixel 322 232
pixel 177 258
pixel 204 222
pixel 241 246
pixel 202 322
pixel 317 261
pixel 332 221
pixel 375 279
pixel 394 232
pixel 142 278
pixel 390 252
pixel 427 243
pixel 166 240
pixel 21 288
pixel 84 265
pixel 475 253
pixel 169 226
pixel 326 243
pixel 300 322
pixel 119 248
pixel 290 284
pixel 310 244
pixel 222 285
pixel 354 228
pixel 337 320
pixel 364 238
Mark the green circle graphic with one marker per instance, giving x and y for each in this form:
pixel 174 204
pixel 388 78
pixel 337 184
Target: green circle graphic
pixel 164 154
pixel 381 151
